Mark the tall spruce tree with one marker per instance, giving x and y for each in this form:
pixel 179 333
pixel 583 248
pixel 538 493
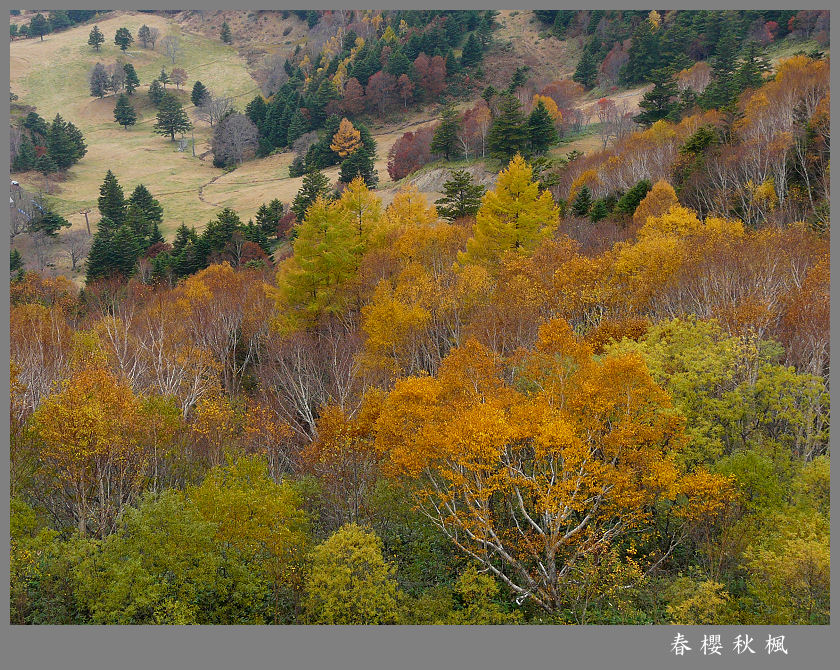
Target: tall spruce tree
pixel 586 72
pixel 131 79
pixel 39 26
pixel 445 139
pixel 64 143
pixel 472 52
pixel 171 117
pixel 582 202
pixel 541 131
pixel 661 101
pixel 123 38
pixel 224 33
pixel 112 199
pixel 508 134
pixel 143 200
pixel 314 184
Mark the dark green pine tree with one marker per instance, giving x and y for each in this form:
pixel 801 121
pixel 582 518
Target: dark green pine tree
pixel 112 203
pixel 254 233
pixel 268 216
pixel 508 134
pixel 124 113
pixel 156 237
pixel 628 202
pixel 126 250
pixel 297 127
pixel 359 164
pixel 198 92
pixel 451 63
pixel 39 26
pixel 183 236
pixel 61 145
pixel 586 72
pixel 398 63
pixel 643 54
pixel 541 131
pixel 143 200
pixel 598 211
pixel 277 121
pixel 46 165
pixel 661 102
pixel 171 117
pixel 15 264
pixel 225 33
pixel 49 223
pixel 163 77
pixel 256 110
pixel 136 220
pixel 132 81
pixel 26 157
pixel 461 197
pixel 96 38
pixel 100 256
pixel 156 93
pixel 750 73
pixel 123 38
pixel 582 202
pixel 314 184
pixel 472 52
pixel 220 230
pixel 445 139
pixel 723 88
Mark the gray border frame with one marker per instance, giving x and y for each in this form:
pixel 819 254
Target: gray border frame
pixel 323 648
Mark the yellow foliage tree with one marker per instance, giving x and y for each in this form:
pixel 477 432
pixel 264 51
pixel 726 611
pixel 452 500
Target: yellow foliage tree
pixel 658 201
pixel 515 216
pixel 91 443
pixel 346 139
pixel 533 478
pixel 550 106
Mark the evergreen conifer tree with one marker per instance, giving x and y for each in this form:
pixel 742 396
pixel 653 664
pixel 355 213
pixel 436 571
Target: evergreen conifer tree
pixel 123 38
pixel 131 79
pixel 508 134
pixel 445 139
pixel 225 33
pixel 198 93
pixel 461 197
pixel 111 201
pixel 314 184
pixel 156 93
pixel 124 113
pixel 171 117
pixel 541 131
pixel 96 38
pixel 582 202
pixel 472 52
pixel 143 200
pixel 587 69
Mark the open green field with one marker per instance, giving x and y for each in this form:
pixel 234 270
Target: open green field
pixel 52 76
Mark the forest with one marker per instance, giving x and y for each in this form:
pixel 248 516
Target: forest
pixel 592 390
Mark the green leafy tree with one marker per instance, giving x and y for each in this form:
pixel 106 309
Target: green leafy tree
pixel 171 117
pixel 124 113
pixel 96 38
pixel 131 79
pixel 123 38
pixel 461 197
pixel 111 202
pixel 350 581
pixel 315 184
pixel 445 139
pixel 541 131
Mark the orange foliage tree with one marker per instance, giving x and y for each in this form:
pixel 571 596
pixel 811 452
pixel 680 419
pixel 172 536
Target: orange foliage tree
pixel 534 476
